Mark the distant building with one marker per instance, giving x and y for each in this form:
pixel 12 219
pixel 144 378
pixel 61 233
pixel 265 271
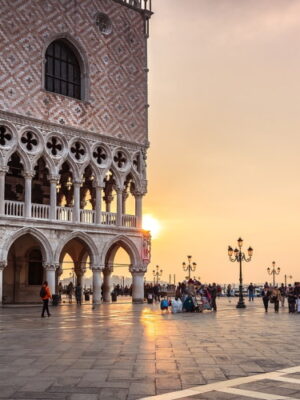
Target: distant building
pixel 73 142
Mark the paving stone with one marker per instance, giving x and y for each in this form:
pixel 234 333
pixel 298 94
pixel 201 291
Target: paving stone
pixel 115 353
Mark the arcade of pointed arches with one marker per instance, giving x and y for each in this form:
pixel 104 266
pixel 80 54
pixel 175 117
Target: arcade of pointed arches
pixel 28 260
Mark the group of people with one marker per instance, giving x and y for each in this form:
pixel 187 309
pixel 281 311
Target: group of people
pixel 277 295
pixel 192 296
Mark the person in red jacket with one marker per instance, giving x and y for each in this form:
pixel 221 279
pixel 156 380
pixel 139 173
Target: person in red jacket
pixel 45 294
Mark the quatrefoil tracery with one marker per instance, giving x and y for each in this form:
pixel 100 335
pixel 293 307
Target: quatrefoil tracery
pixel 100 155
pixel 29 140
pixel 5 136
pixel 78 150
pixel 54 145
pixel 120 159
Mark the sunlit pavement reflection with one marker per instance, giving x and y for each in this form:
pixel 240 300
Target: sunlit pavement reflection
pixel 126 351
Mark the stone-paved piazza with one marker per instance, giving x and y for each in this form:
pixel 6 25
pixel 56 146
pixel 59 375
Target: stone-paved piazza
pixel 125 351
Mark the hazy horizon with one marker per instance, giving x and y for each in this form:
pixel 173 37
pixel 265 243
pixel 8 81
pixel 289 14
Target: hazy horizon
pixel 224 131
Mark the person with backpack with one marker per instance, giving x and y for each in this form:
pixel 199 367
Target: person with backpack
pixel 45 295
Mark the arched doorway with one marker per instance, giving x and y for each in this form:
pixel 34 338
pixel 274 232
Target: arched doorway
pixel 24 274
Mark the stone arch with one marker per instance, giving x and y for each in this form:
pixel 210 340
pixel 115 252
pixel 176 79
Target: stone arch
pixel 86 239
pixel 73 166
pixel 81 55
pixel 23 157
pixel 48 161
pixel 111 247
pixel 42 240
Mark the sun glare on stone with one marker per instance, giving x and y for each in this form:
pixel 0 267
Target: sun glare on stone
pixel 151 224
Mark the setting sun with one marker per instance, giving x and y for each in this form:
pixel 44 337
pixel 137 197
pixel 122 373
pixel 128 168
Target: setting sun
pixel 151 224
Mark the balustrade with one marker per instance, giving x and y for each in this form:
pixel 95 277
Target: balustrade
pixel 87 216
pixel 129 221
pixel 14 208
pixel 108 218
pixel 64 213
pixel 40 211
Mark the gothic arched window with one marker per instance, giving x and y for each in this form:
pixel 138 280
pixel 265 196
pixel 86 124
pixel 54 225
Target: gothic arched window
pixel 62 72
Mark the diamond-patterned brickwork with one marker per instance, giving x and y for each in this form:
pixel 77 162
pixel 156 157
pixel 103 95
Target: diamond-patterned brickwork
pixel 116 104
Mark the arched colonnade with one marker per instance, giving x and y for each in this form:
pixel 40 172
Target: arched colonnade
pixel 28 257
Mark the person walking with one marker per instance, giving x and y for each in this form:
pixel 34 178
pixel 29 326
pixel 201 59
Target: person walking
pixel 282 290
pixel 291 296
pixel 251 289
pixel 265 294
pixel 45 295
pixel 213 293
pixel 275 298
pixel 78 293
pixel 228 292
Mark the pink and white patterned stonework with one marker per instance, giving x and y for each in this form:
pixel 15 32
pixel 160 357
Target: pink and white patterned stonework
pixel 115 65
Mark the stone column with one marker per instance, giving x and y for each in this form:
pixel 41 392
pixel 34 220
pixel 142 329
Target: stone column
pixel 98 207
pixel 76 208
pixel 96 285
pixel 138 209
pixel 28 189
pixel 50 276
pixel 119 206
pixel 2 266
pixel 3 172
pixel 137 285
pixel 54 179
pixel 107 284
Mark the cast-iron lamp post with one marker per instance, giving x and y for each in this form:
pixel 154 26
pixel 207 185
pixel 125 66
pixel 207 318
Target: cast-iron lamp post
pixel 239 256
pixel 273 271
pixel 157 274
pixel 191 267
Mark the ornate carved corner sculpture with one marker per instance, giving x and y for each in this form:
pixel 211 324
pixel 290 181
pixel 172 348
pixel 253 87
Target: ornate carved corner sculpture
pixel 146 248
pixel 3 264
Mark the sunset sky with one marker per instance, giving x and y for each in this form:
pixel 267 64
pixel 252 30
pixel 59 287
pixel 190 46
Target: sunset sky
pixel 224 127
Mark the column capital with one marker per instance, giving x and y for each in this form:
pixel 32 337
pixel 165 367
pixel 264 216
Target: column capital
pixel 3 264
pixel 138 269
pixel 51 267
pixel 97 268
pixel 3 170
pixel 139 193
pixel 77 182
pixel 53 178
pixel 28 174
pixel 97 185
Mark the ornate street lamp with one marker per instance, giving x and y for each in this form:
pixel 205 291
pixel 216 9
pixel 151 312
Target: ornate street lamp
pixel 190 267
pixel 157 274
pixel 286 277
pixel 239 256
pixel 273 271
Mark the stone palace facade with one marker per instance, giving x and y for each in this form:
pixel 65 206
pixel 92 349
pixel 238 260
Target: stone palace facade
pixel 73 142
